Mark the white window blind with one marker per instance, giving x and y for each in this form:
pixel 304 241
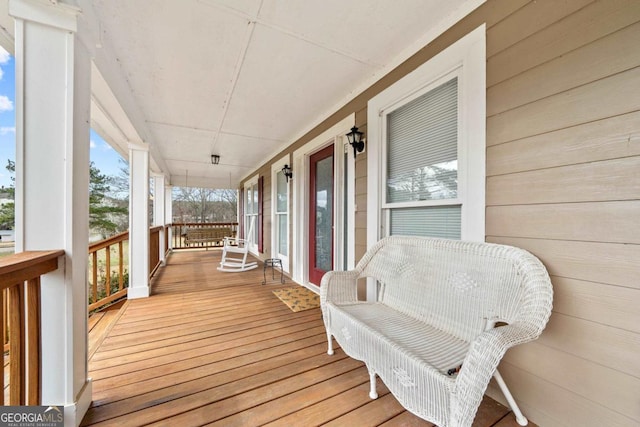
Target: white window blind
pixel 422 147
pixel 432 221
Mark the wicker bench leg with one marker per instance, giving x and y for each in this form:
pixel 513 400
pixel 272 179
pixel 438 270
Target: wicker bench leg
pixel 373 393
pixel 521 419
pixel 330 343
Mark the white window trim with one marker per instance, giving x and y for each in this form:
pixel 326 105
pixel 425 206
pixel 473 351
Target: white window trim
pixel 468 56
pixel 275 168
pixel 253 249
pixel 300 212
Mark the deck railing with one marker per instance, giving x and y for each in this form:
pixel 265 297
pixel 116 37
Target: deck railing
pixel 179 233
pixel 154 249
pixel 108 277
pixel 20 283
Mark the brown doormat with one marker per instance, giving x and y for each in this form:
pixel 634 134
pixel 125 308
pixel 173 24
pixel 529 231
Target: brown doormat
pixel 298 298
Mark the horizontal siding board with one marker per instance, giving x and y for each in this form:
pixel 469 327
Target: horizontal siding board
pixel 550 405
pixel 613 222
pixel 590 182
pixel 608 263
pixel 610 55
pixel 612 96
pixel 593 381
pixel 609 305
pixel 361 185
pixel 529 20
pixel 608 346
pixel 606 139
pixel 581 28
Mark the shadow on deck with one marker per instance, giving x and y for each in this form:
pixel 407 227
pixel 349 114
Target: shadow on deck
pixel 220 349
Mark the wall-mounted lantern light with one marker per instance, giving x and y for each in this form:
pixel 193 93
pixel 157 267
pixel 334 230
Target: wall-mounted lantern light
pixel 288 173
pixel 215 159
pixel 356 140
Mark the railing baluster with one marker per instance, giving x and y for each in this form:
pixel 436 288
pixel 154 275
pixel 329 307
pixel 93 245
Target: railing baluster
pixel 33 343
pixel 95 276
pixel 107 283
pixel 5 316
pixel 16 345
pixel 120 266
pixel 2 333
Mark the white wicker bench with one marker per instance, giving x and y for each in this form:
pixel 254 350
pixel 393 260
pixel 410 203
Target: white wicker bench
pixel 431 336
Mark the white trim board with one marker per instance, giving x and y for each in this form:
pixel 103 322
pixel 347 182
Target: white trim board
pixel 300 214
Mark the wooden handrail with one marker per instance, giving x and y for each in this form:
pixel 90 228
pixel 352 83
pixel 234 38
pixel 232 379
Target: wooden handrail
pixel 27 265
pixel 109 241
pixel 20 281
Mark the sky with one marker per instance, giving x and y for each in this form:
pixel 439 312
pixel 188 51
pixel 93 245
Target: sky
pixel 101 153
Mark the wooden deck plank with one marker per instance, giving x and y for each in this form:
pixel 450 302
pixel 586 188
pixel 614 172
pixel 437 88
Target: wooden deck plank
pixel 101 329
pixel 330 408
pixel 295 401
pixel 143 374
pixel 205 330
pixel 220 382
pixel 188 346
pixel 221 349
pixel 372 414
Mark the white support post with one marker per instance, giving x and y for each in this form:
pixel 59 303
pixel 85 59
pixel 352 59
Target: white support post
pixel 159 206
pixel 138 221
pixel 168 211
pixel 52 177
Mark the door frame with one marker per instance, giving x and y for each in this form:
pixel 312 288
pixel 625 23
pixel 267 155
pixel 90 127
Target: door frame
pixel 300 211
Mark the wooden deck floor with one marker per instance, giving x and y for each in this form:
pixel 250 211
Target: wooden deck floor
pixel 212 348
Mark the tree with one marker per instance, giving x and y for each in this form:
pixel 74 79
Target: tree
pixel 119 194
pixel 204 205
pixel 7 210
pixel 102 211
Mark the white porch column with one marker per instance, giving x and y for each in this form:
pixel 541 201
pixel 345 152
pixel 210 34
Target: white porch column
pixel 168 211
pixel 159 218
pixel 138 221
pixel 52 179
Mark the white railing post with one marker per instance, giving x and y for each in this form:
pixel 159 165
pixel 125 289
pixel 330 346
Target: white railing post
pixel 159 214
pixel 168 210
pixel 138 221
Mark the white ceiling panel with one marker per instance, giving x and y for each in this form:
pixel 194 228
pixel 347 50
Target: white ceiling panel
pixel 373 31
pixel 242 78
pixel 284 83
pixel 179 60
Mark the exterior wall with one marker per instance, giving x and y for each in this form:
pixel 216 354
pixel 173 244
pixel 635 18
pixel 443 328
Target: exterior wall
pixel 563 181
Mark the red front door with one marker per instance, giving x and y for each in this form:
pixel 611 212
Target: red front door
pixel 321 214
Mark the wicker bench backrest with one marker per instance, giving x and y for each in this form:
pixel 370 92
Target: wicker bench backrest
pixel 457 286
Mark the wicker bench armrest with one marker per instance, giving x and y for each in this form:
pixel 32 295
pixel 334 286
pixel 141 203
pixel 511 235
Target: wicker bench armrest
pixel 339 287
pixel 481 362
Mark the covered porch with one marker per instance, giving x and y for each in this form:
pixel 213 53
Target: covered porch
pixel 221 349
pixel 228 94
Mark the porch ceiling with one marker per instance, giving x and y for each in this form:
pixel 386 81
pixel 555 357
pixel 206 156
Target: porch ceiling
pixel 244 78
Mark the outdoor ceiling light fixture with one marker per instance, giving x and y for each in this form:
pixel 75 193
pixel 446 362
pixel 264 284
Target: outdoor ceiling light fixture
pixel 288 173
pixel 356 140
pixel 215 159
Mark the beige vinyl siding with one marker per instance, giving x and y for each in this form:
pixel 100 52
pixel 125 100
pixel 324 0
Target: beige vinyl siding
pixel 563 181
pixel 361 192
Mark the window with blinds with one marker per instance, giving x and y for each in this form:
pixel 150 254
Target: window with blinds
pixel 282 214
pixel 422 165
